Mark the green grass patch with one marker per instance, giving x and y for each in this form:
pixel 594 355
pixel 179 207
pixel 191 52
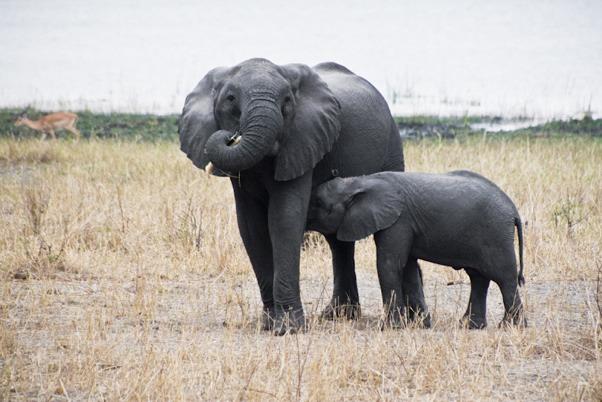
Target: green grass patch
pixel 458 121
pixel 584 126
pixel 138 127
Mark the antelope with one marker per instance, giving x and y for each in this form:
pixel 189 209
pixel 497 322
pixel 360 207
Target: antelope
pixel 53 121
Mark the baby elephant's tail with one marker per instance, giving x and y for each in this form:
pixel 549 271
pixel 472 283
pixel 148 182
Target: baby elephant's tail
pixel 519 230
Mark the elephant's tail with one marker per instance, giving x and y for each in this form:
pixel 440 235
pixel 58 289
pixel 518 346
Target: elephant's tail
pixel 519 230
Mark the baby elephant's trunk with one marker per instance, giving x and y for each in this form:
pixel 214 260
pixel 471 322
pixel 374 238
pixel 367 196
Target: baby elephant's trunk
pixel 519 230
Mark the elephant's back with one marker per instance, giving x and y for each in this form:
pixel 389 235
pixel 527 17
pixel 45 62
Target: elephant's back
pixel 355 94
pixel 369 141
pixel 467 199
pixel 488 187
pixel 331 66
pixel 463 184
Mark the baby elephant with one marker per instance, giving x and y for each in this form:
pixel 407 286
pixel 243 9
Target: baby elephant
pixel 459 219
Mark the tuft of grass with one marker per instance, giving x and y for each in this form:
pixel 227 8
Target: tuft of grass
pixel 35 202
pixel 15 153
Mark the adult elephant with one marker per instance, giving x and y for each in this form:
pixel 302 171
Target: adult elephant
pixel 279 131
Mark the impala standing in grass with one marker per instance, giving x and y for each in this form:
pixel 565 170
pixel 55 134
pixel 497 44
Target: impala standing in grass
pixel 51 122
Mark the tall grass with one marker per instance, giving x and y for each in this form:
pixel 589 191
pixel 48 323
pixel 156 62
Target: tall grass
pixel 123 277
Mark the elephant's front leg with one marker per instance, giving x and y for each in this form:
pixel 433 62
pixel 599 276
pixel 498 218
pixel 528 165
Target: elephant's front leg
pixel 476 312
pixel 287 216
pixel 252 217
pixel 389 276
pixel 345 300
pixel 392 250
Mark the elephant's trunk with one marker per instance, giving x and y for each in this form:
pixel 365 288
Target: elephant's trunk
pixel 261 124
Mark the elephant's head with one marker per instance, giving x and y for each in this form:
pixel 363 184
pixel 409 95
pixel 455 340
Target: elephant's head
pixel 237 116
pixel 355 207
pixel 328 204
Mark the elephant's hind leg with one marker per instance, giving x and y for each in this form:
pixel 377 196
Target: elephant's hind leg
pixel 413 291
pixel 476 312
pixel 345 300
pixel 502 270
pixel 512 304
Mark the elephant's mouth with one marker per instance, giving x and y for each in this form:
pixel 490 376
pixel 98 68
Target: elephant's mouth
pixel 235 139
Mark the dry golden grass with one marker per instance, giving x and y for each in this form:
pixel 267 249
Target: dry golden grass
pixel 123 277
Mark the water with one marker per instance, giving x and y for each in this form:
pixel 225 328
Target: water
pixel 506 125
pixel 540 59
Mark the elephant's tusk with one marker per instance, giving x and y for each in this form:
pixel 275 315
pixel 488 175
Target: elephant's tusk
pixel 209 169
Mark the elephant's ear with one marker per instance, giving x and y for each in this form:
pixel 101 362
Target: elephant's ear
pixel 315 125
pixel 375 205
pixel 197 121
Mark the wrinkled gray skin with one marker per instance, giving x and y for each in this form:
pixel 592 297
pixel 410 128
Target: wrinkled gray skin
pixel 459 219
pixel 295 128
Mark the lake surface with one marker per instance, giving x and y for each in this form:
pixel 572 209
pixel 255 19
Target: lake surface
pixel 540 59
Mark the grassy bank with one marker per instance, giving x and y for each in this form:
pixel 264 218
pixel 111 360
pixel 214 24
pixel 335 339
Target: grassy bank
pixel 145 127
pixel 123 277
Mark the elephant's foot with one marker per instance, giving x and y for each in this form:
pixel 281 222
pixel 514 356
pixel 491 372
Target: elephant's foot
pixel 473 322
pixel 288 320
pixel 350 310
pixel 417 311
pixel 267 318
pixel 516 319
pixel 394 318
pixel 420 317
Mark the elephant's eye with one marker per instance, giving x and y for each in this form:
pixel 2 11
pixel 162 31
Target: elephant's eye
pixel 286 106
pixel 230 98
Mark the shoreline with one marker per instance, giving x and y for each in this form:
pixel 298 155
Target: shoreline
pixel 153 127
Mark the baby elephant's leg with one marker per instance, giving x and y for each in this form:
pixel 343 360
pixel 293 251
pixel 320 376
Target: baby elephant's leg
pixel 514 307
pixel 413 293
pixel 345 300
pixel 392 251
pixel 502 270
pixel 476 311
pixel 389 277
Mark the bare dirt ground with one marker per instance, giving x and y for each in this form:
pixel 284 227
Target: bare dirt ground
pixel 123 277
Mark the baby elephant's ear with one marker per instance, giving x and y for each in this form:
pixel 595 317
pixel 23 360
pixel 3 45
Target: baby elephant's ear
pixel 375 207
